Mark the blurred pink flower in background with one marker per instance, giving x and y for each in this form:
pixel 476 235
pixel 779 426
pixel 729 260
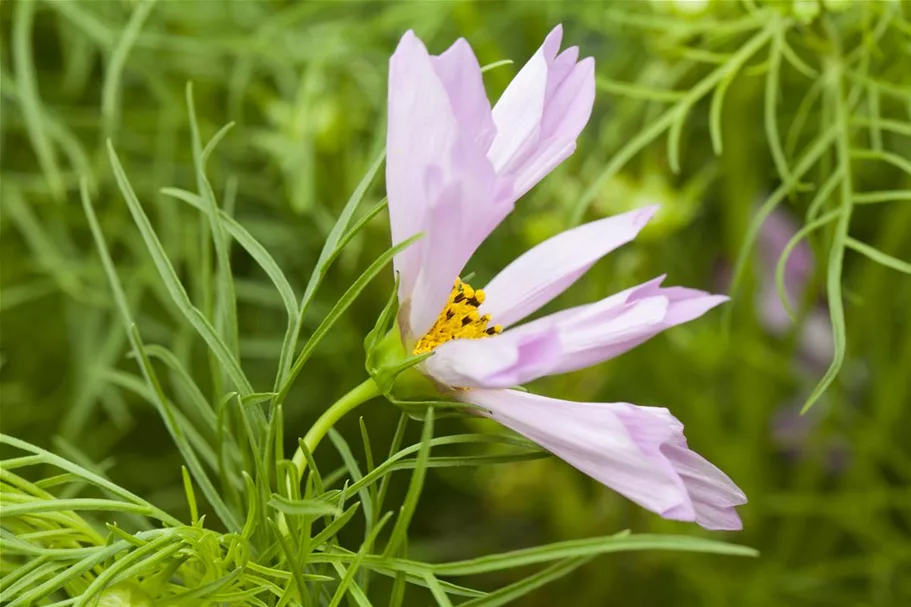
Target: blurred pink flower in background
pixel 454 171
pixel 792 431
pixel 815 341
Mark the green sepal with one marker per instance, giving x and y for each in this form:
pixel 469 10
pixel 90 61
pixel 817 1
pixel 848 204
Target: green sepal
pixel 392 367
pixel 383 324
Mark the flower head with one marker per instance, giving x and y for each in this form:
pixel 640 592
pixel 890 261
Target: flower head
pixel 455 168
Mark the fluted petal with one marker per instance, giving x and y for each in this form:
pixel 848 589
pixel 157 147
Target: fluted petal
pixel 500 361
pixel 520 108
pixel 640 452
pixel 460 74
pixel 541 113
pixel 598 332
pixel 439 180
pixel 463 211
pixel 550 268
pixel 420 135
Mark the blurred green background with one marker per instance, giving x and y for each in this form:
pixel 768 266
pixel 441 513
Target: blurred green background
pixel 305 85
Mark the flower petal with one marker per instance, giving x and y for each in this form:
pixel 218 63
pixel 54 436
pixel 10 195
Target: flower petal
pixel 550 268
pixel 590 339
pixel 541 113
pixel 499 361
pixel 440 260
pixel 460 74
pixel 593 333
pixel 439 179
pixel 640 452
pixel 421 132
pixel 518 112
pixel 565 115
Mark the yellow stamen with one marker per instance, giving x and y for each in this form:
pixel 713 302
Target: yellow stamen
pixel 459 319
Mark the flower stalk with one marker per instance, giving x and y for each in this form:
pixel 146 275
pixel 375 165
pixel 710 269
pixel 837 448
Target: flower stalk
pixel 358 395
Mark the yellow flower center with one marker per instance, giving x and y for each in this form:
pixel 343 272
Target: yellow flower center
pixel 458 320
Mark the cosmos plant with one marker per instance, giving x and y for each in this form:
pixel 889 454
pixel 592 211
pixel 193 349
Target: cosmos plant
pixel 263 529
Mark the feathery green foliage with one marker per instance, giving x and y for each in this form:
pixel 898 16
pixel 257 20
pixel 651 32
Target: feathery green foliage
pixel 185 288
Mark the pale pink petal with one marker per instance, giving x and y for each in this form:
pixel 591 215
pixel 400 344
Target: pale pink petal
pixel 463 214
pixel 561 67
pixel 460 73
pixel 614 301
pixel 440 260
pixel 597 332
pixel 640 452
pixel 570 105
pixel 711 491
pixel 541 113
pixel 565 115
pixel 518 112
pixel 550 268
pixel 500 361
pixel 421 132
pixel 537 165
pixel 439 179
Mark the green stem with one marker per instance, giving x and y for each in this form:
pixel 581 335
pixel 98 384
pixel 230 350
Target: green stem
pixel 357 396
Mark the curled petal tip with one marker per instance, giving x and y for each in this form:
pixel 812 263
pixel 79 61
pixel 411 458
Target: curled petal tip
pixel 553 40
pixel 408 38
pixel 646 214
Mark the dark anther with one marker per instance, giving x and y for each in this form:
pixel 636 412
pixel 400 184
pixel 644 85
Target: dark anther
pixel 449 314
pixel 466 320
pixel 458 298
pixel 474 302
pixel 491 331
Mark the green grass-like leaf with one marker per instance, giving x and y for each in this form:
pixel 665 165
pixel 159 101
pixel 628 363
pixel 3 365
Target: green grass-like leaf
pixel 400 530
pixel 175 289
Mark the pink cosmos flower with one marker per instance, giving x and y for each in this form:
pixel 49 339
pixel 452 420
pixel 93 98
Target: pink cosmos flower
pixel 815 340
pixel 455 168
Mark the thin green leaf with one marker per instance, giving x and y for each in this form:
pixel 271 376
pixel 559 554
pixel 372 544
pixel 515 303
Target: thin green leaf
pixel 878 256
pixel 813 154
pixel 353 568
pixel 354 471
pixel 175 289
pixel 148 371
pixel 508 594
pixel 436 590
pixel 153 548
pixel 330 530
pixel 837 250
pixel 110 91
pixel 587 547
pixel 887 157
pixel 772 90
pixel 91 477
pixel 327 255
pixel 400 531
pixel 30 101
pixel 311 507
pixel 786 253
pixel 496 64
pixel 668 118
pixel 340 307
pixel 226 303
pixel 252 246
pixel 291 559
pixel 883 196
pixel 636 91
